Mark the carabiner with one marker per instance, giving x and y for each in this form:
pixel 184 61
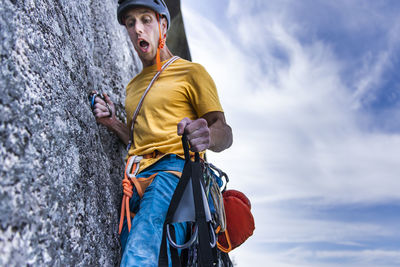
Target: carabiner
pixel 187 244
pixel 131 160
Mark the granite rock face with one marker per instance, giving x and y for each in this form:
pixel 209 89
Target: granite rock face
pixel 60 172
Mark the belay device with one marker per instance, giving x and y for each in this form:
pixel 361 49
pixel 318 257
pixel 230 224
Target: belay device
pixel 190 204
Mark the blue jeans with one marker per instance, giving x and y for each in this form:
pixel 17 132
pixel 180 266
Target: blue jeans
pixel 140 246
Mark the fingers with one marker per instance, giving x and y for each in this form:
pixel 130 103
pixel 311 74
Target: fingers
pixel 102 106
pixel 197 132
pixel 109 104
pixel 198 135
pixel 197 129
pixel 99 100
pixel 182 125
pixel 101 114
pixel 98 108
pixel 108 100
pixel 199 144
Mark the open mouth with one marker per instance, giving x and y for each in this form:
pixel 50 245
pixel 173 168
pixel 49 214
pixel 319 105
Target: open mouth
pixel 144 45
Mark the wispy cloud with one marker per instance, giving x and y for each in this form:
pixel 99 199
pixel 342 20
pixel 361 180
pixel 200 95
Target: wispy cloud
pixel 371 73
pixel 297 133
pixel 294 128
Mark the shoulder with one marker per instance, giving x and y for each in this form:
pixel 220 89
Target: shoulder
pixel 197 74
pixel 190 66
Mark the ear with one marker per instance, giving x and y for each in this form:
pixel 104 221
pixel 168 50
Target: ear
pixel 164 26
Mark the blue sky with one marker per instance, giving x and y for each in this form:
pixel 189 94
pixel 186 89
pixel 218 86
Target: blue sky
pixel 312 92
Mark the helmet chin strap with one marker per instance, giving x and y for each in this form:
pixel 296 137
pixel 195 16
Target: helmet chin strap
pixel 161 43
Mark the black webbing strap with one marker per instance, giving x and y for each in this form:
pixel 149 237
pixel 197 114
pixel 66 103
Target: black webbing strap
pixel 176 197
pixel 205 252
pixel 174 252
pixel 192 170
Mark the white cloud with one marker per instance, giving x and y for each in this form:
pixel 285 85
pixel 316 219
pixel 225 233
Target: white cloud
pixel 296 134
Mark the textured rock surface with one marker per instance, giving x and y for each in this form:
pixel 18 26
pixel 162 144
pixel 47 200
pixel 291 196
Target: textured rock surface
pixel 60 172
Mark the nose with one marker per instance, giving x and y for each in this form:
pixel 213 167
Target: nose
pixel 138 27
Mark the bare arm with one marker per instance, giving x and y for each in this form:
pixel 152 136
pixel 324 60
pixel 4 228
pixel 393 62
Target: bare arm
pixel 209 132
pixel 102 113
pixel 220 131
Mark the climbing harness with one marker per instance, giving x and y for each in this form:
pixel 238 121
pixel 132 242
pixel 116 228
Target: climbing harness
pixel 130 180
pixel 131 168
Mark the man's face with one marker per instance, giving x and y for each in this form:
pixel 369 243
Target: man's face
pixel 142 27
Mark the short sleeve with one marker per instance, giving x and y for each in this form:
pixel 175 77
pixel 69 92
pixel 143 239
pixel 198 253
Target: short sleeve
pixel 203 92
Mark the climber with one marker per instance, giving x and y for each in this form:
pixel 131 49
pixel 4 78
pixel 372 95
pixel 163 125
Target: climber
pixel 182 99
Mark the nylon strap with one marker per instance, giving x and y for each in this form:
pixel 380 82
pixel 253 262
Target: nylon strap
pixel 192 170
pixel 139 106
pixel 205 252
pixel 176 197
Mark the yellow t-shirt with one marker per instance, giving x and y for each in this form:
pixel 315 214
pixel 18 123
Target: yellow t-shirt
pixel 184 89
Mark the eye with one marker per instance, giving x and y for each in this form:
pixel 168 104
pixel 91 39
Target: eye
pixel 146 19
pixel 130 23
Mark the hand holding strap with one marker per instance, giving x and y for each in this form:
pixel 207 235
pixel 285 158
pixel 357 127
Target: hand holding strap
pixel 192 172
pixel 185 144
